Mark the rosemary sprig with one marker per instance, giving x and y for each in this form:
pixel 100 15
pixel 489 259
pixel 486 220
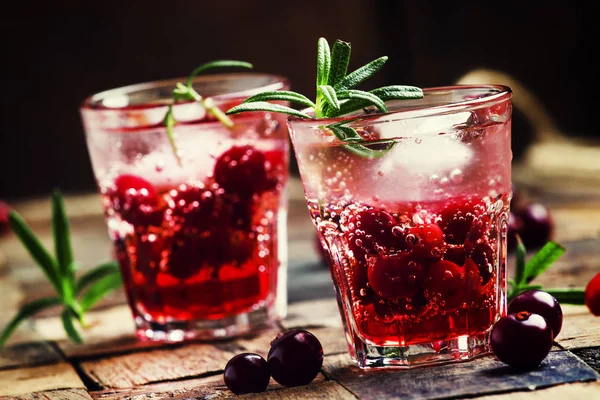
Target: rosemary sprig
pixel 527 271
pixel 335 93
pixel 76 296
pixel 187 93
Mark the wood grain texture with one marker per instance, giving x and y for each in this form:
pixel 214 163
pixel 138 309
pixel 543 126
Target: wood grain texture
pixel 475 378
pixel 28 354
pixel 141 368
pixel 571 391
pixel 67 394
pixel 21 381
pixel 580 328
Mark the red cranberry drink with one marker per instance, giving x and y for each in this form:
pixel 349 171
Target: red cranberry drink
pixel 200 235
pixel 414 215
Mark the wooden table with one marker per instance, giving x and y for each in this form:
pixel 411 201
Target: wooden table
pixel 39 363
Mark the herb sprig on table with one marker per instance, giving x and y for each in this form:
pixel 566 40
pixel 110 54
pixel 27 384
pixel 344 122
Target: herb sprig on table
pixel 188 93
pixel 527 271
pixel 335 94
pixel 75 295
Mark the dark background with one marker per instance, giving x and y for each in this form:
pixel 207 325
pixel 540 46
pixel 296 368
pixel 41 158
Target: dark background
pixel 57 53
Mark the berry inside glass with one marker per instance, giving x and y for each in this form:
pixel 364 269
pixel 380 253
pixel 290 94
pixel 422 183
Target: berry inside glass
pixel 199 241
pixel 416 234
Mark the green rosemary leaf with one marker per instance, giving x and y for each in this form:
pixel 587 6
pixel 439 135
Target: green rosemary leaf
pixel 36 249
pixel 364 96
pixel 100 289
pixel 367 152
pixel 25 312
pixel 264 106
pixel 540 262
pixel 323 62
pixel 169 123
pixel 340 57
pixel 281 95
pixel 520 255
pixel 184 93
pixel 95 274
pixel 328 93
pixel 568 295
pixel 217 64
pixel 397 92
pixel 361 74
pixel 62 243
pixel 67 317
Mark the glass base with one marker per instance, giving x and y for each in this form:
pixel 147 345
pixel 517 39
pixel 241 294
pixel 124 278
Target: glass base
pixel 462 348
pixel 228 327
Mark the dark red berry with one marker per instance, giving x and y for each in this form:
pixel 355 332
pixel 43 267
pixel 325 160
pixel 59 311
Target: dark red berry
pixel 542 303
pixel 521 340
pixel 295 358
pixel 445 284
pixel 241 170
pixel 136 200
pixel 426 240
pixel 5 210
pixel 455 253
pixel 458 218
pixel 515 227
pixel 538 225
pixel 592 295
pixel 247 373
pixel 369 230
pixel 394 276
pixel 483 256
pixel 196 209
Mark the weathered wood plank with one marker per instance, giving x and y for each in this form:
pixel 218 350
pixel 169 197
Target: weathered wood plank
pixel 580 328
pixel 14 382
pixel 68 394
pixel 571 391
pixel 28 354
pixel 478 377
pixel 141 368
pixel 314 391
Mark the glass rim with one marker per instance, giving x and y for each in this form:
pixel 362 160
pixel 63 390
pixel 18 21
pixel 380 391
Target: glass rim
pixel 94 102
pixel 498 93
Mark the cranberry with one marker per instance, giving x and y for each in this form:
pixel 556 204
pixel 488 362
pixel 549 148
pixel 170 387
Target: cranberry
pixel 592 295
pixel 483 256
pixel 197 209
pixel 295 358
pixel 247 373
pixel 457 220
pixel 5 210
pixel 446 284
pixel 241 170
pixel 542 303
pixel 394 276
pixel 426 240
pixel 538 225
pixel 370 229
pixel 136 200
pixel 515 227
pixel 521 340
pixel 455 253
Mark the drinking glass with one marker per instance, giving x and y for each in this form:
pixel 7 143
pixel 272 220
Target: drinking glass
pixel 412 209
pixel 200 233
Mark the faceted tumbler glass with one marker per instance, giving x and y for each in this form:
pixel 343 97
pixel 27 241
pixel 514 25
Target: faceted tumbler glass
pixel 412 208
pixel 200 233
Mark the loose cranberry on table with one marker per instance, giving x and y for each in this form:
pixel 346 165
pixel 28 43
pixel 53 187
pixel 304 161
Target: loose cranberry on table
pixel 592 295
pixel 542 303
pixel 241 170
pixel 295 358
pixel 521 340
pixel 4 212
pixel 533 223
pixel 247 373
